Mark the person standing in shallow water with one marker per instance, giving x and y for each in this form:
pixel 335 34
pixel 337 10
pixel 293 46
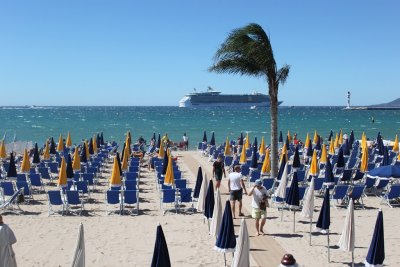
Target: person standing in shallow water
pixel 7 239
pixel 218 171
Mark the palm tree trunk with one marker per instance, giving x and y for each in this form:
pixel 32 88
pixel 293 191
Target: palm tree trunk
pixel 273 94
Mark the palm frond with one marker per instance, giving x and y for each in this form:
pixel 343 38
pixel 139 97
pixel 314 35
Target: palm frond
pixel 283 74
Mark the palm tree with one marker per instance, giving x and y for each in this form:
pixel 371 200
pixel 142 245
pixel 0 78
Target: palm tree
pixel 248 51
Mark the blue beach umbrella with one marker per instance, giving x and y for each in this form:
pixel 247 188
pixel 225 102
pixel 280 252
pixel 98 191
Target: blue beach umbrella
pixel 154 136
pixel 212 141
pixel 205 137
pixel 123 151
pixel 351 138
pixel 376 251
pixel 287 143
pixel 296 158
pixel 52 147
pixel 292 198
pixel 318 144
pixel 254 163
pixel 83 156
pixel 91 149
pixel 119 164
pixel 70 170
pixel 159 141
pixel 102 138
pixel 340 160
pixel 226 240
pixel 199 180
pixel 98 140
pixel 385 160
pixel 389 171
pixel 324 218
pixel 281 168
pixel 330 136
pixel 255 144
pixel 165 163
pixel 346 148
pixel 241 139
pixel 209 203
pixel 12 170
pixel 310 150
pixel 160 254
pixel 36 157
pixel 381 147
pixel 280 137
pixel 329 177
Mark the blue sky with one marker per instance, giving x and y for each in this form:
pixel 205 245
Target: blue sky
pixel 98 52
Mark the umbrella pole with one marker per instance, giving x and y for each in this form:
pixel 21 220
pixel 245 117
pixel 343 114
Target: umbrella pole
pixel 352 258
pixel 294 221
pixel 282 213
pixel 329 256
pixel 310 229
pixel 208 223
pixel 225 258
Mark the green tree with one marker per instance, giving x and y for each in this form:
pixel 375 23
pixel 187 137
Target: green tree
pixel 248 51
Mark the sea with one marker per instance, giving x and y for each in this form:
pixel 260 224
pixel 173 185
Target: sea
pixel 38 123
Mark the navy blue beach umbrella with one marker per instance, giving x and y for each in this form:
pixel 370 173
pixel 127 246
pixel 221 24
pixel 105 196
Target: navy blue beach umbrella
pixel 254 163
pixel 98 141
pixel 83 156
pixel 281 168
pixel 241 139
pixel 123 151
pixel 165 163
pixel 119 163
pixel 280 137
pixel 255 144
pixel 36 157
pixel 385 160
pixel 318 144
pixel 324 218
pixel 329 178
pixel 381 147
pixel 199 181
pixel 160 254
pixel 376 251
pixel 212 141
pixel 70 170
pixel 388 171
pixel 102 138
pixel 209 201
pixel 296 158
pixel 91 150
pixel 340 160
pixel 154 136
pixel 346 148
pixel 205 137
pixel 159 141
pixel 287 143
pixel 12 170
pixel 330 136
pixel 351 138
pixel 310 150
pixel 292 198
pixel 226 240
pixel 52 146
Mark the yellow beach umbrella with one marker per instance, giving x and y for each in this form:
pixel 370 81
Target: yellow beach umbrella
pixel 3 151
pixel 364 160
pixel 284 152
pixel 243 158
pixel 94 142
pixel 124 165
pixel 87 150
pixel 227 151
pixel 307 141
pixel 26 165
pixel 262 146
pixel 336 141
pixel 60 145
pixel 364 141
pixel 46 152
pixel 314 165
pixel 115 179
pixel 341 137
pixel 323 157
pixel 161 151
pixel 76 163
pixel 315 139
pixel 68 143
pixel 396 144
pixel 247 144
pixel 169 175
pixel 398 157
pixel 332 147
pixel 62 174
pixel 266 167
pixel 288 135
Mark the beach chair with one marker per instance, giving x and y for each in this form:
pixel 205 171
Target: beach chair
pixel 245 170
pixel 301 175
pixel 177 175
pixel 73 199
pixel 25 189
pixel 168 197
pixel 45 174
pixel 131 176
pixel 340 193
pixel 318 184
pixel 392 196
pixel 358 176
pixel 130 185
pixel 356 193
pixel 113 198
pixel 8 188
pixel 91 170
pixel 55 199
pixel 130 197
pixel 185 196
pixel 302 192
pixel 83 188
pixel 228 161
pixel 36 181
pixel 351 164
pixel 90 178
pixel 77 176
pixel 369 183
pixel 346 176
pixel 11 201
pixel 380 186
pixel 255 175
pixel 53 167
pixel 268 183
pixel 180 183
pixel 21 177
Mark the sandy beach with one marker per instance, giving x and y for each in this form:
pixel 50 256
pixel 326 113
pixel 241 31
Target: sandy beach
pixel 129 240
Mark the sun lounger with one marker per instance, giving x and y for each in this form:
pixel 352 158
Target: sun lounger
pixel 392 196
pixel 130 197
pixel 340 194
pixel 55 199
pixel 26 189
pixel 356 192
pixel 113 198
pixel 73 199
pixel 168 197
pixel 13 199
pixel 35 180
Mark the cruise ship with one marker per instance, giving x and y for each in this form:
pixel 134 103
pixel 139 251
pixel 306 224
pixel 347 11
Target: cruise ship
pixel 215 98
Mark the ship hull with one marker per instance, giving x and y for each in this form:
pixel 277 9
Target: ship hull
pixel 225 101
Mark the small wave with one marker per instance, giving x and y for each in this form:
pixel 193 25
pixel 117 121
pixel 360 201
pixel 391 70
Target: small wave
pixel 37 126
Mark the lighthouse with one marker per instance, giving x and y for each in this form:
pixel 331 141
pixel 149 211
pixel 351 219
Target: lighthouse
pixel 348 100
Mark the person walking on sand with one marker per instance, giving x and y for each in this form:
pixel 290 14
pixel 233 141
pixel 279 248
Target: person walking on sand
pixel 236 187
pixel 7 239
pixel 186 141
pixel 218 170
pixel 259 205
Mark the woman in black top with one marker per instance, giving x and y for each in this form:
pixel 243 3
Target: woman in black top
pixel 218 170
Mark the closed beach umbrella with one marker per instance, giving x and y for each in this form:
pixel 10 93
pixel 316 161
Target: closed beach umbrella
pixel 91 150
pixel 199 180
pixel 330 136
pixel 385 160
pixel 331 147
pixel 351 138
pixel 123 151
pixel 165 163
pixel 315 139
pixel 318 144
pixel 52 147
pixel 266 167
pixel 161 152
pixel 396 144
pixel 340 160
pixel 212 141
pixel 281 189
pixel 227 151
pixel 169 178
pixel 226 241
pixel 340 137
pixel 60 145
pixel 262 146
pixel 307 142
pixel 376 251
pixel 323 159
pixel 280 137
pixel 87 150
pixel 241 257
pixel 119 163
pixel 255 143
pixel 329 178
pixel 70 169
pixel 205 137
pixel 36 157
pixel 46 152
pixel 209 203
pixel 296 158
pixel 324 218
pixel 124 164
pixel 102 139
pixel 243 157
pixel 310 150
pixel 364 160
pixel 314 170
pixel 98 140
pixel 281 169
pixel 25 165
pixel 217 215
pixel 62 174
pixel 346 148
pixel 154 137
pixel 12 170
pixel 76 164
pixel 247 143
pixel 347 239
pixel 3 151
pixel 292 198
pixel 287 143
pixel 68 143
pixel 115 179
pixel 201 203
pixel 83 155
pixel 254 162
pixel 288 136
pixel 79 255
pixel 241 139
pixel 336 142
pixel 284 153
pixel 308 204
pixel 160 254
pixel 94 142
